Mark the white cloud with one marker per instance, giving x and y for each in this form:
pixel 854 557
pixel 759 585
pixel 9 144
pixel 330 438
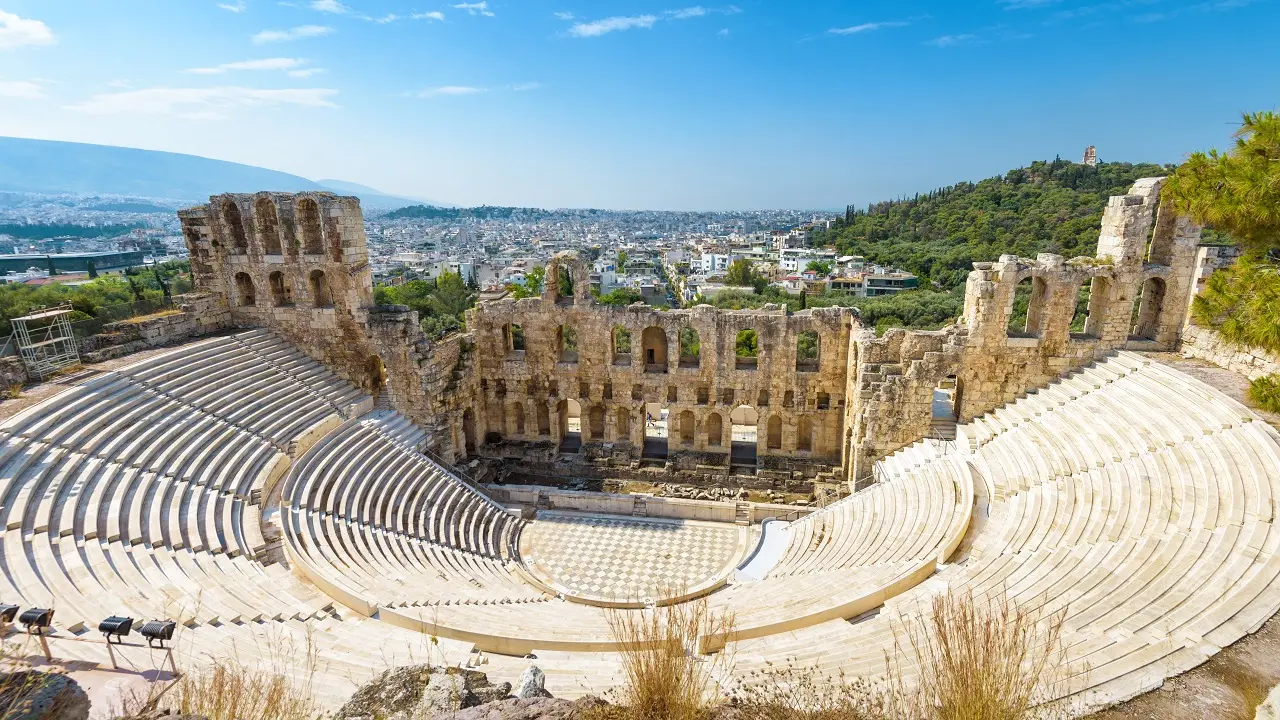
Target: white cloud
pixel 200 103
pixel 388 18
pixel 526 86
pixel 302 31
pixel 613 24
pixel 433 15
pixel 952 40
pixel 306 72
pixel 566 16
pixel 267 64
pixel 724 32
pixel 1023 4
pixel 329 6
pixel 447 90
pixel 237 7
pixel 16 32
pixel 689 12
pixel 475 8
pixel 21 89
pixel 866 27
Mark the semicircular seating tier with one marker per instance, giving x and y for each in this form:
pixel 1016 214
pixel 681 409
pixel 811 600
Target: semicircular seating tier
pixel 1133 499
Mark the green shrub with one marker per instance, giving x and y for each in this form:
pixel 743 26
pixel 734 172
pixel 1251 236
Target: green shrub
pixel 1265 393
pixel 1243 304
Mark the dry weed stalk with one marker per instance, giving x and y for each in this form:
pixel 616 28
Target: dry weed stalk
pixel 20 679
pixel 665 678
pixel 987 659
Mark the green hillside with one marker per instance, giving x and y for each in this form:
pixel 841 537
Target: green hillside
pixel 1047 207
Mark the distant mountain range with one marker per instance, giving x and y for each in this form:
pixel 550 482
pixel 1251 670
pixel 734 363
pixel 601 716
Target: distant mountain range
pixel 47 166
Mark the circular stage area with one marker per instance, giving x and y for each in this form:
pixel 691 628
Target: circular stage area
pixel 619 561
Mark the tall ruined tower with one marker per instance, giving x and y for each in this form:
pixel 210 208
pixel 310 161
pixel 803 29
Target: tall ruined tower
pixel 1090 156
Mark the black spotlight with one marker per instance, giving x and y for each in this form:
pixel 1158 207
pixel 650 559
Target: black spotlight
pixel 117 626
pixel 8 613
pixel 37 620
pixel 157 631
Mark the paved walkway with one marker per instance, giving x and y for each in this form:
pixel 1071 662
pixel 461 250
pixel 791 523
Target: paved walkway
pixel 610 558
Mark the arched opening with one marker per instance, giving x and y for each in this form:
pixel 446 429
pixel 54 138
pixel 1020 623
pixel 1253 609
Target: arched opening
pixel 807 351
pixel 746 349
pixel 1100 290
pixel 320 289
pixel 946 408
pixel 309 221
pixel 687 427
pixel 494 420
pixel 1026 308
pixel 596 422
pixel 762 398
pixel 244 290
pixel 715 430
pixel 570 413
pixel 268 222
pixel 469 431
pixel 654 343
pixel 375 374
pixel 564 285
pixel 622 424
pixel 804 434
pixel 1080 315
pixel 544 420
pixel 773 435
pixel 655 431
pixel 567 344
pixel 744 423
pixel 517 410
pixel 235 225
pixel 690 347
pixel 621 346
pixel 513 338
pixel 1148 307
pixel 281 292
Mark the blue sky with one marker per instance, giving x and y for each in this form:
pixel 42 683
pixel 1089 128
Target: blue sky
pixel 639 103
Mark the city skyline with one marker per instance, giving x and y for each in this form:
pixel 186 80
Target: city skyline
pixel 634 105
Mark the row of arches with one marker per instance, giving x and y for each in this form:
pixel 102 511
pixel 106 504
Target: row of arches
pixel 655 351
pixel 273 236
pixel 282 291
pixel 682 429
pixel 1028 310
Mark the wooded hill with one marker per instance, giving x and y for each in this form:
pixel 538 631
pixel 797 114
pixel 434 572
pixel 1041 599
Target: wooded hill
pixel 1047 207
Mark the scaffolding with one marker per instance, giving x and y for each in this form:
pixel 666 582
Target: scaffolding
pixel 49 347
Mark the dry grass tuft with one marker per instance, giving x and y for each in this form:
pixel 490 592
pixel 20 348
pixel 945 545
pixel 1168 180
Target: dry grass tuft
pixel 234 692
pixel 665 677
pixel 20 680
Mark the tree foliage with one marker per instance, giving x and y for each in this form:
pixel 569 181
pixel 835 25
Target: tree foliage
pixel 532 287
pixel 1238 191
pixel 920 309
pixel 822 267
pixel 440 303
pixel 743 274
pixel 620 297
pixel 1047 207
pixel 90 299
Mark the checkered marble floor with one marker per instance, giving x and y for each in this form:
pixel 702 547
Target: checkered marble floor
pixel 614 558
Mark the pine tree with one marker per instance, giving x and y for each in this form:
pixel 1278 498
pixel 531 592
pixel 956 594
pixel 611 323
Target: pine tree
pixel 52 270
pixel 93 270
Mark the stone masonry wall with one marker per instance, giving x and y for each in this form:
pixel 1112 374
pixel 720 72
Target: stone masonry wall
pixel 1206 344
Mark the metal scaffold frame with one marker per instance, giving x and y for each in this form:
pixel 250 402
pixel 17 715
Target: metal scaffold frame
pixel 48 348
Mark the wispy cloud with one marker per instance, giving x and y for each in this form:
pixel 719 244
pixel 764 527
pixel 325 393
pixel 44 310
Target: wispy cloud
pixel 475 8
pixel 945 41
pixel 526 86
pixel 566 16
pixel 446 91
pixel 201 103
pixel 867 27
pixel 304 73
pixel 596 28
pixel 302 31
pixel 24 89
pixel 388 18
pixel 433 15
pixel 16 32
pixel 329 6
pixel 236 7
pixel 265 64
pixel 1026 4
pixel 689 12
pixel 724 32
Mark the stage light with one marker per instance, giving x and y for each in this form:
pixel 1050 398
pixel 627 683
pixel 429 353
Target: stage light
pixel 8 613
pixel 36 619
pixel 117 626
pixel 157 631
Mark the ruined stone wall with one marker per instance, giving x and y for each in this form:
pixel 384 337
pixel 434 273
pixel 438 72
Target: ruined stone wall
pixel 1139 285
pixel 1251 362
pixel 298 264
pixel 525 393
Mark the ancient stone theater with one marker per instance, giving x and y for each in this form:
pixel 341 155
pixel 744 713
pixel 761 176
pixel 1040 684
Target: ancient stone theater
pixel 285 464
